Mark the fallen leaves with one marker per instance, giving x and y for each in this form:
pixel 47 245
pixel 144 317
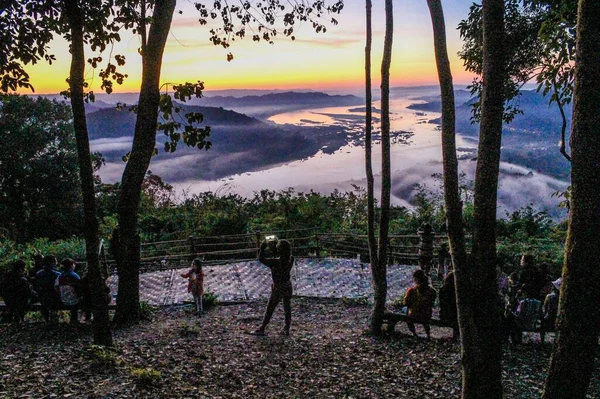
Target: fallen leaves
pixel 327 356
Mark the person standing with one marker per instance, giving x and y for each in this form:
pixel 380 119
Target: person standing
pixel 196 283
pixel 281 289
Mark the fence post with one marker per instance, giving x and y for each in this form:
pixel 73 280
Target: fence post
pixel 425 233
pixel 318 243
pixel 257 232
pixel 192 248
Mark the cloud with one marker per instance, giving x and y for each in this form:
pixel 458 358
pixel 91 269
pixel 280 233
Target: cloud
pixel 105 145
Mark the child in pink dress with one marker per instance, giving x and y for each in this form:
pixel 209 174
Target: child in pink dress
pixel 196 283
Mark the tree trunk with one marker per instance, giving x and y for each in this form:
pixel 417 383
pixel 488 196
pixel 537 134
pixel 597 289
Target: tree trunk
pixel 368 146
pixel 480 312
pixel 379 268
pixel 126 240
pixel 101 323
pixel 452 201
pixel 578 328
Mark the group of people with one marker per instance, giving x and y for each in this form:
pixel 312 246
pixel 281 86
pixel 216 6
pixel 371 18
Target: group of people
pixel 52 288
pixel 529 295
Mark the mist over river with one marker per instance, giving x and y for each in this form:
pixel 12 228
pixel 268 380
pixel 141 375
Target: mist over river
pixel 416 156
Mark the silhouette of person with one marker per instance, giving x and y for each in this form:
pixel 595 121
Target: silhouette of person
pixel 17 292
pixel 281 289
pixel 44 284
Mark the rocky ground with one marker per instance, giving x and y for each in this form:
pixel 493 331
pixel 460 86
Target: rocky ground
pixel 180 355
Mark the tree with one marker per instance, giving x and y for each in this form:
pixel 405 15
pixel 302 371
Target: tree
pixel 540 45
pixel 578 327
pixel 125 242
pixel 479 310
pixel 31 26
pixel 74 15
pixel 37 169
pixel 379 252
pixel 377 310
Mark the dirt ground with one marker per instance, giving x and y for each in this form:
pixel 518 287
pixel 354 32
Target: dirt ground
pixel 180 355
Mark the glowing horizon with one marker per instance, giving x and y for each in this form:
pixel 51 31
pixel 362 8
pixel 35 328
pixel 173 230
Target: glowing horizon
pixel 332 61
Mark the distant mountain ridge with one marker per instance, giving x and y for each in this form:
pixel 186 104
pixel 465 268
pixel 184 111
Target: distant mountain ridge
pixel 260 106
pixel 112 123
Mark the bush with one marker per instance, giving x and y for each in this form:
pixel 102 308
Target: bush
pixel 10 251
pixel 147 377
pixel 209 300
pixel 188 331
pixel 146 311
pixel 102 358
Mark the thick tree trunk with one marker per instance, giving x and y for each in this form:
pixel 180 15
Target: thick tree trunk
pixel 126 240
pixel 379 268
pixel 578 328
pixel 480 312
pixel 101 323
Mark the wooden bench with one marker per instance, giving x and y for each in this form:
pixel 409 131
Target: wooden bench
pixel 392 318
pixel 36 307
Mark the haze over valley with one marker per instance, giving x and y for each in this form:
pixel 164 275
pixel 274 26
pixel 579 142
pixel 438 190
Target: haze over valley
pixel 315 141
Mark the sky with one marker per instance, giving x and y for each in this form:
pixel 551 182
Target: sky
pixel 331 61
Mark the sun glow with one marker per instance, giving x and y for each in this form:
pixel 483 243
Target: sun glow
pixel 330 61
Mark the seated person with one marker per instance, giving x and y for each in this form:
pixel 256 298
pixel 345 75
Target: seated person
pixel 44 286
pixel 550 310
pixel 419 300
pixel 525 316
pixel 17 292
pixel 67 285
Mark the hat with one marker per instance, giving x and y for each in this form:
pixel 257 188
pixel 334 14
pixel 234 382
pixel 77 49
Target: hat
pixel 557 283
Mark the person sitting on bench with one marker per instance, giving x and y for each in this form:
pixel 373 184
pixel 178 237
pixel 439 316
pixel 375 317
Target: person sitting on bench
pixel 550 310
pixel 17 292
pixel 44 285
pixel 419 300
pixel 525 317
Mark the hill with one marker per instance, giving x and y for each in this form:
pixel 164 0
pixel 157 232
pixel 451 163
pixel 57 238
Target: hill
pixel 529 140
pixel 239 144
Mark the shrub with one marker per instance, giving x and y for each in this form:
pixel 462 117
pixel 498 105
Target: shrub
pixel 102 358
pixel 147 377
pixel 146 311
pixel 209 300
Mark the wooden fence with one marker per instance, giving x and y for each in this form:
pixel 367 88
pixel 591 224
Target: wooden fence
pixel 215 250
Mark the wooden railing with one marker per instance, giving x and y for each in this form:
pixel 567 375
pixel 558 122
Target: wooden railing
pixel 215 250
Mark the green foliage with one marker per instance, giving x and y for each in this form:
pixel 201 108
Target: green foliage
pixel 521 45
pixel 261 19
pixel 527 231
pixel 38 169
pixel 10 251
pixel 147 311
pixel 102 358
pixel 147 377
pixel 539 43
pixel 210 299
pixel 188 331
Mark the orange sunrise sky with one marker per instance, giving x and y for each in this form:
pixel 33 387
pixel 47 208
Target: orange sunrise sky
pixel 333 61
